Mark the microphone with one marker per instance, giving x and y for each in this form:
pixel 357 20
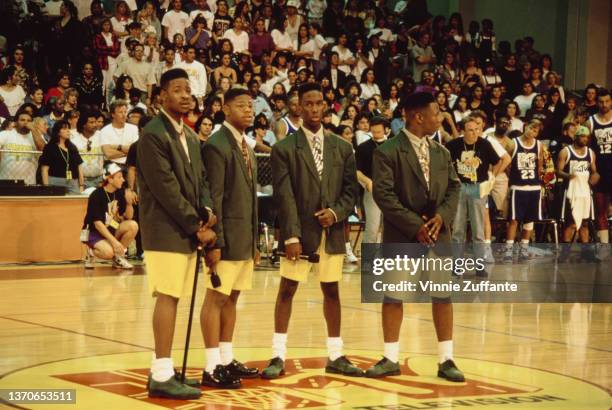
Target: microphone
pixel 312 258
pixel 215 280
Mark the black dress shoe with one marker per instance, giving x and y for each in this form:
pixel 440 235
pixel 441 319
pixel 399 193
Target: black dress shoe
pixel 239 370
pixel 220 378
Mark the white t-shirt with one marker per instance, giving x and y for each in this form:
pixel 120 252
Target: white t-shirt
pixel 524 102
pixel 197 77
pixel 14 165
pixel 141 72
pixel 175 22
pixel 282 40
pixel 13 99
pixel 368 91
pixel 93 159
pixel 208 16
pixel 315 45
pixel 239 41
pixel 125 136
pixel 346 54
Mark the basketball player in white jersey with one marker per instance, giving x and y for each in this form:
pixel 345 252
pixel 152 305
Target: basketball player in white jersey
pixel 576 165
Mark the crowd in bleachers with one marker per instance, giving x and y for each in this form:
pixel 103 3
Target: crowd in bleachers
pixel 88 81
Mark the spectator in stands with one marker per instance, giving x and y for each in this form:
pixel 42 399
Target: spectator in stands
pixel 223 21
pixel 11 92
pixel 513 112
pixel 109 219
pixel 117 136
pixel 590 99
pixel 16 164
pixel 63 83
pixel 237 35
pixel 55 107
pixel 89 88
pixel 61 162
pixel 87 141
pixel 260 41
pixel 202 9
pixel 107 47
pixel 422 55
pixel 197 74
pixel 37 98
pixel 175 21
pixel 197 35
pixel 71 99
pixel 140 71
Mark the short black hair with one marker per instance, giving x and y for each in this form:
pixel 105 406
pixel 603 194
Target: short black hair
pixel 379 120
pixel 308 87
pixel 602 92
pixel 417 101
pixel 172 74
pixel 234 93
pixel 84 117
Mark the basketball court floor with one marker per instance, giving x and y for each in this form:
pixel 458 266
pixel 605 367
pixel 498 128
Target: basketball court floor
pixel 63 327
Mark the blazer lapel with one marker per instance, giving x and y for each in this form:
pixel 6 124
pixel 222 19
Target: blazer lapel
pixel 175 139
pixel 306 153
pixel 238 154
pixel 411 158
pixel 435 158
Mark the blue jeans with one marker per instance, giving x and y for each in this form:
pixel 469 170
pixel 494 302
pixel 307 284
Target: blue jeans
pixel 472 205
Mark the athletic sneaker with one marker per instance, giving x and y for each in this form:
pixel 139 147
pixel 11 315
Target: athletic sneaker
pixel 508 253
pixel 350 256
pixel 90 259
pixel 120 262
pixel 488 254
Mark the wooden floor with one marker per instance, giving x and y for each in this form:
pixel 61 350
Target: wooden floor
pixel 65 327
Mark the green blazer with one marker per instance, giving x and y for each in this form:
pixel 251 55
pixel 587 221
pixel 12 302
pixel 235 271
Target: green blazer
pixel 299 193
pixel 173 189
pixel 401 193
pixel 234 195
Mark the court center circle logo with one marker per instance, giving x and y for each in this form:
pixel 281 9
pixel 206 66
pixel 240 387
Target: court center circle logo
pixel 118 381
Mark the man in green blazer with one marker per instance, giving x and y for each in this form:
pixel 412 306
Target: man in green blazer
pixel 315 189
pixel 232 174
pixel 417 190
pixel 175 217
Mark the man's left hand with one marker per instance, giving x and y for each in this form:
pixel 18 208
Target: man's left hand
pixel 434 225
pixel 326 217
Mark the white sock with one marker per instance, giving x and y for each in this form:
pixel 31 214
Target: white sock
pixel 162 369
pixel 445 351
pixel 487 241
pixel 349 248
pixel 227 355
pixel 392 351
pixel 604 236
pixel 524 241
pixel 510 242
pixel 275 245
pixel 334 347
pixel 213 358
pixel 279 345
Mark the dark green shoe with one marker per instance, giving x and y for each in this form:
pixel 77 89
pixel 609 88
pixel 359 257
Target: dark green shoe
pixel 343 366
pixel 449 371
pixel 189 382
pixel 383 368
pixel 173 389
pixel 275 369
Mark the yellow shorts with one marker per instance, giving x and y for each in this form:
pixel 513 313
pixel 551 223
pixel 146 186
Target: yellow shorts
pixel 170 273
pixel 329 267
pixel 234 275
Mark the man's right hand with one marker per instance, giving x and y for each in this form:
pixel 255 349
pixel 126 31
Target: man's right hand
pixel 293 251
pixel 212 257
pixel 423 235
pixel 206 236
pixel 118 248
pixel 368 186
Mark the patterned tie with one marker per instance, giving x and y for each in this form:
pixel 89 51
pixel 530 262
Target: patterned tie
pixel 318 155
pixel 247 159
pixel 423 160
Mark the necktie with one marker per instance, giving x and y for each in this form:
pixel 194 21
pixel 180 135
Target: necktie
pixel 318 155
pixel 424 161
pixel 247 159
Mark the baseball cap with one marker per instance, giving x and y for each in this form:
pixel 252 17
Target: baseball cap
pixel 111 169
